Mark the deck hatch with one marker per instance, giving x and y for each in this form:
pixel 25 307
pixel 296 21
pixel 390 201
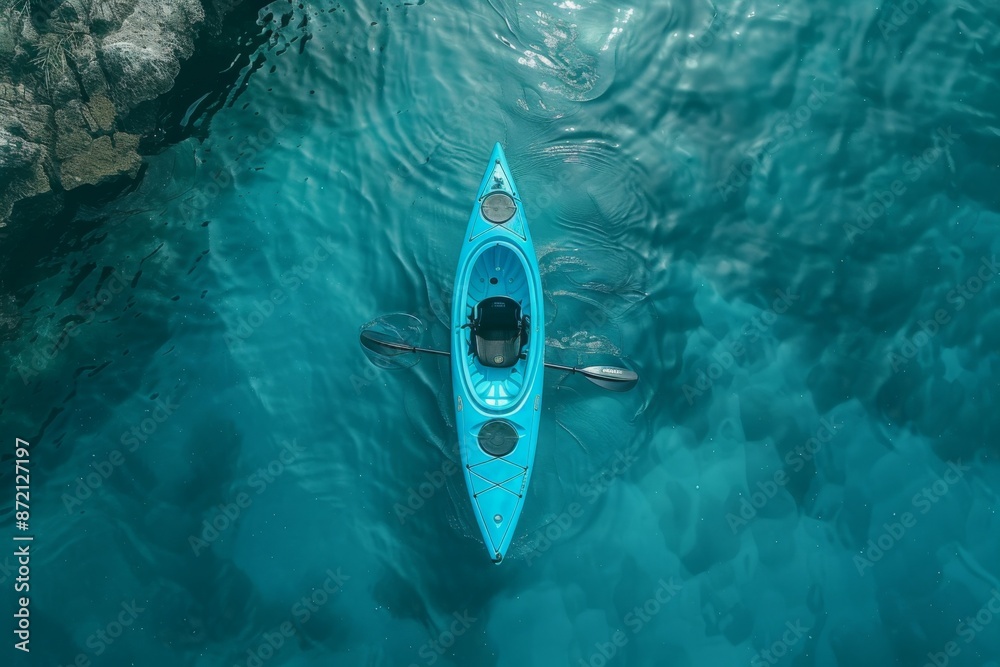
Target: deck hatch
pixel 497 438
pixel 498 207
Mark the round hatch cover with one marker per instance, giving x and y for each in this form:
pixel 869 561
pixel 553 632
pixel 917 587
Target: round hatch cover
pixel 499 207
pixel 497 438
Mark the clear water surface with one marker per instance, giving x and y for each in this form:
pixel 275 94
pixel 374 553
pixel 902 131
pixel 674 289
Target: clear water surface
pixel 783 216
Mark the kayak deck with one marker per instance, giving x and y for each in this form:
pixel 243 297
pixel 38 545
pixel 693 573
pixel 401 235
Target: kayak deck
pixel 497 350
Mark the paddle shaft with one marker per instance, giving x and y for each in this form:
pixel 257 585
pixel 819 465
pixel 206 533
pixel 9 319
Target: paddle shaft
pixel 410 348
pixel 595 374
pixel 557 367
pixel 445 353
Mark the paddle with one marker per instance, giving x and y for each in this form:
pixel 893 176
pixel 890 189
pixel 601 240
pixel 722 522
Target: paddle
pixel 606 377
pixel 611 378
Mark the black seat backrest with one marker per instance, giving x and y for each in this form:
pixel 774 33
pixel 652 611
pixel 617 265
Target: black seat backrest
pixel 497 331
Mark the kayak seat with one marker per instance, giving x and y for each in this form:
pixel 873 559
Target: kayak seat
pixel 498 332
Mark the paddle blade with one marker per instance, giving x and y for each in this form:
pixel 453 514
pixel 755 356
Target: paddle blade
pixel 387 341
pixel 610 377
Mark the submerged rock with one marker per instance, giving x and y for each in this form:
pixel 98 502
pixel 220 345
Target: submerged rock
pixel 15 152
pixel 77 81
pixel 104 159
pixel 143 56
pixel 25 135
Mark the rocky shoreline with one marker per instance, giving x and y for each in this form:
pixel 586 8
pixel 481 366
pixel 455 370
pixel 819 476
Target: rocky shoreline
pixel 81 86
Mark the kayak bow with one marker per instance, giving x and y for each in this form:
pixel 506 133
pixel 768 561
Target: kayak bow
pixel 497 355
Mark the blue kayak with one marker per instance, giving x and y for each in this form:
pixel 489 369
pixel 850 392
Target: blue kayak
pixel 497 355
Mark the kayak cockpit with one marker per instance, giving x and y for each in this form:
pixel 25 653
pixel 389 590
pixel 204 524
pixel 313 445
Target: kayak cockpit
pixel 498 341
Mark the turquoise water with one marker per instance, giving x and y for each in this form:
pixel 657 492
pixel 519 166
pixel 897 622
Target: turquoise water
pixel 785 218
